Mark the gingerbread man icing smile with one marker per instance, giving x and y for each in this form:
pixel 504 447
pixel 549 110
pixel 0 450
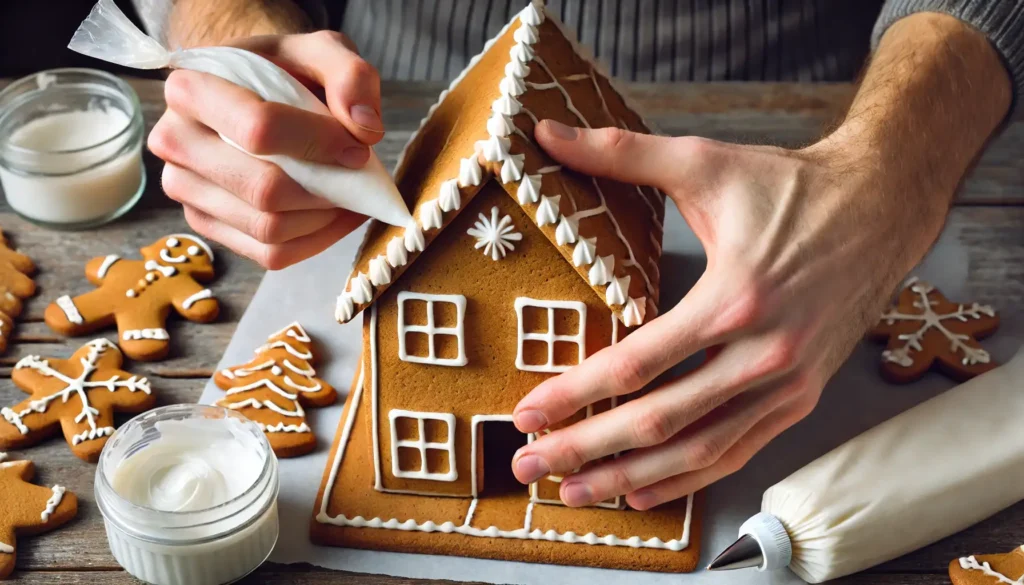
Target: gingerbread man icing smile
pixel 137 295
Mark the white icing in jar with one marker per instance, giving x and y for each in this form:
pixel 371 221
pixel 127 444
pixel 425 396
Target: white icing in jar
pixel 71 147
pixel 189 495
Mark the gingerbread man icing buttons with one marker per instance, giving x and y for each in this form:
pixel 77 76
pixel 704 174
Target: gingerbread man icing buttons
pixel 26 508
pixel 78 395
pixel 1006 569
pixel 15 285
pixel 924 329
pixel 137 295
pixel 273 387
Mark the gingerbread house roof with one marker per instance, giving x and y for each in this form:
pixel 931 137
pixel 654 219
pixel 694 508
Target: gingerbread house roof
pixel 482 129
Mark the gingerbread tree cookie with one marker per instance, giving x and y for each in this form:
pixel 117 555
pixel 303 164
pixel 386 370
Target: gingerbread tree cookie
pixel 1006 569
pixel 78 395
pixel 273 387
pixel 27 509
pixel 137 295
pixel 15 285
pixel 925 329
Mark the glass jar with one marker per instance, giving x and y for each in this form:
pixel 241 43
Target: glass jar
pixel 177 453
pixel 71 147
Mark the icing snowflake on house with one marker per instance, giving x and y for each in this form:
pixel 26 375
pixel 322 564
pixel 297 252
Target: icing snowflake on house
pixel 924 326
pixel 495 235
pixel 64 389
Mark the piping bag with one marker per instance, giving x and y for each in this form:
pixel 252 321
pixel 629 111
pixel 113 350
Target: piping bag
pixel 107 34
pixel 925 474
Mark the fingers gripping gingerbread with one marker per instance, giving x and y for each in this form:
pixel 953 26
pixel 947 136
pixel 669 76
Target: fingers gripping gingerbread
pixel 137 295
pixel 26 508
pixel 78 395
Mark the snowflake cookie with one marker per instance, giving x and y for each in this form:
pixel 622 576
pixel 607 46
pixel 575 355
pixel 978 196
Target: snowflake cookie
pixel 1005 569
pixel 78 395
pixel 137 295
pixel 924 328
pixel 272 388
pixel 26 508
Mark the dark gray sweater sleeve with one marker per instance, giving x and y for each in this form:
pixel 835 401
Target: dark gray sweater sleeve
pixel 1002 21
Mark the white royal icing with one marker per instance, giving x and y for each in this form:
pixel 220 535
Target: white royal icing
pixel 430 215
pixel 154 333
pixel 549 337
pixel 512 168
pixel 928 320
pixel 470 173
pixel 167 271
pixel 449 198
pixel 203 294
pixel 617 290
pixel 414 238
pixel 397 255
pixel 529 189
pixel 601 271
pixel 583 253
pixel 421 444
pixel 567 231
pixel 500 125
pixel 6 548
pixel 495 235
pixel 67 305
pixel 108 261
pixel 431 330
pixel 53 502
pixel 193 250
pixel 362 291
pixel 78 386
pixel 547 211
pixel 380 271
pixel 634 312
pixel 344 308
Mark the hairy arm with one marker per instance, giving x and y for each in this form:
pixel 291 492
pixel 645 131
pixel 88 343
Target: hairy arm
pixel 804 249
pixel 194 23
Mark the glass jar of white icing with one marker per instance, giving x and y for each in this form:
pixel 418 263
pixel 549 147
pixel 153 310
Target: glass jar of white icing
pixel 71 147
pixel 189 495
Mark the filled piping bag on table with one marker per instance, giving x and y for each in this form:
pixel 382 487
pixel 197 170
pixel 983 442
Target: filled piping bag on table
pixel 925 474
pixel 107 34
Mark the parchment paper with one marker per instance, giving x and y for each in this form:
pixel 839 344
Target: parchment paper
pixel 854 400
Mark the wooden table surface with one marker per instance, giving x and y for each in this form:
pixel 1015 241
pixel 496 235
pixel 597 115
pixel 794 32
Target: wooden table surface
pixel 989 216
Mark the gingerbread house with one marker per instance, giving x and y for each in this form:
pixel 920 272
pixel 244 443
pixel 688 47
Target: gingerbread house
pixel 513 270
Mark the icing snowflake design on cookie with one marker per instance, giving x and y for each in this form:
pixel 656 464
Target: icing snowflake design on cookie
pixel 137 295
pixel 925 328
pixel 79 394
pixel 28 507
pixel 495 235
pixel 1004 569
pixel 272 388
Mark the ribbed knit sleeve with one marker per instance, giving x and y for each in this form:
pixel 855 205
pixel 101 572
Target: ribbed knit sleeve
pixel 1002 21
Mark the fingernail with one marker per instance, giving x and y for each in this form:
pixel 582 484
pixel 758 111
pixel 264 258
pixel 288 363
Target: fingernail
pixel 561 131
pixel 643 499
pixel 577 494
pixel 531 421
pixel 354 157
pixel 530 468
pixel 366 118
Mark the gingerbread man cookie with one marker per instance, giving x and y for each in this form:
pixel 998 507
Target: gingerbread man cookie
pixel 78 395
pixel 272 388
pixel 137 295
pixel 26 508
pixel 1007 569
pixel 15 285
pixel 925 329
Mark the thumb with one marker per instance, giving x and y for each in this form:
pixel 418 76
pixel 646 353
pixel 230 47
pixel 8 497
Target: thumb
pixel 614 153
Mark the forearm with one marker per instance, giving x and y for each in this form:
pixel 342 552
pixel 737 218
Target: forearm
pixel 933 94
pixel 196 23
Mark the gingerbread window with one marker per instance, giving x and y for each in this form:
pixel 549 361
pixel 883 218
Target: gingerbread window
pixel 423 445
pixel 552 334
pixel 430 329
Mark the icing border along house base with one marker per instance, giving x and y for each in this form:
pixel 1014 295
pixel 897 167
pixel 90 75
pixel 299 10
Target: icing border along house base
pixel 515 269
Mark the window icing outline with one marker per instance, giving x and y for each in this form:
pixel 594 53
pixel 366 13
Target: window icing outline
pixel 550 337
pixel 422 445
pixel 430 330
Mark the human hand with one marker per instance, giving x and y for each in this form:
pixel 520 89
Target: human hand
pixel 251 205
pixel 803 250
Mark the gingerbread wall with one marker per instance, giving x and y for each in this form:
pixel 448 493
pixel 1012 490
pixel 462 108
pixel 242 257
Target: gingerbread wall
pixel 489 383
